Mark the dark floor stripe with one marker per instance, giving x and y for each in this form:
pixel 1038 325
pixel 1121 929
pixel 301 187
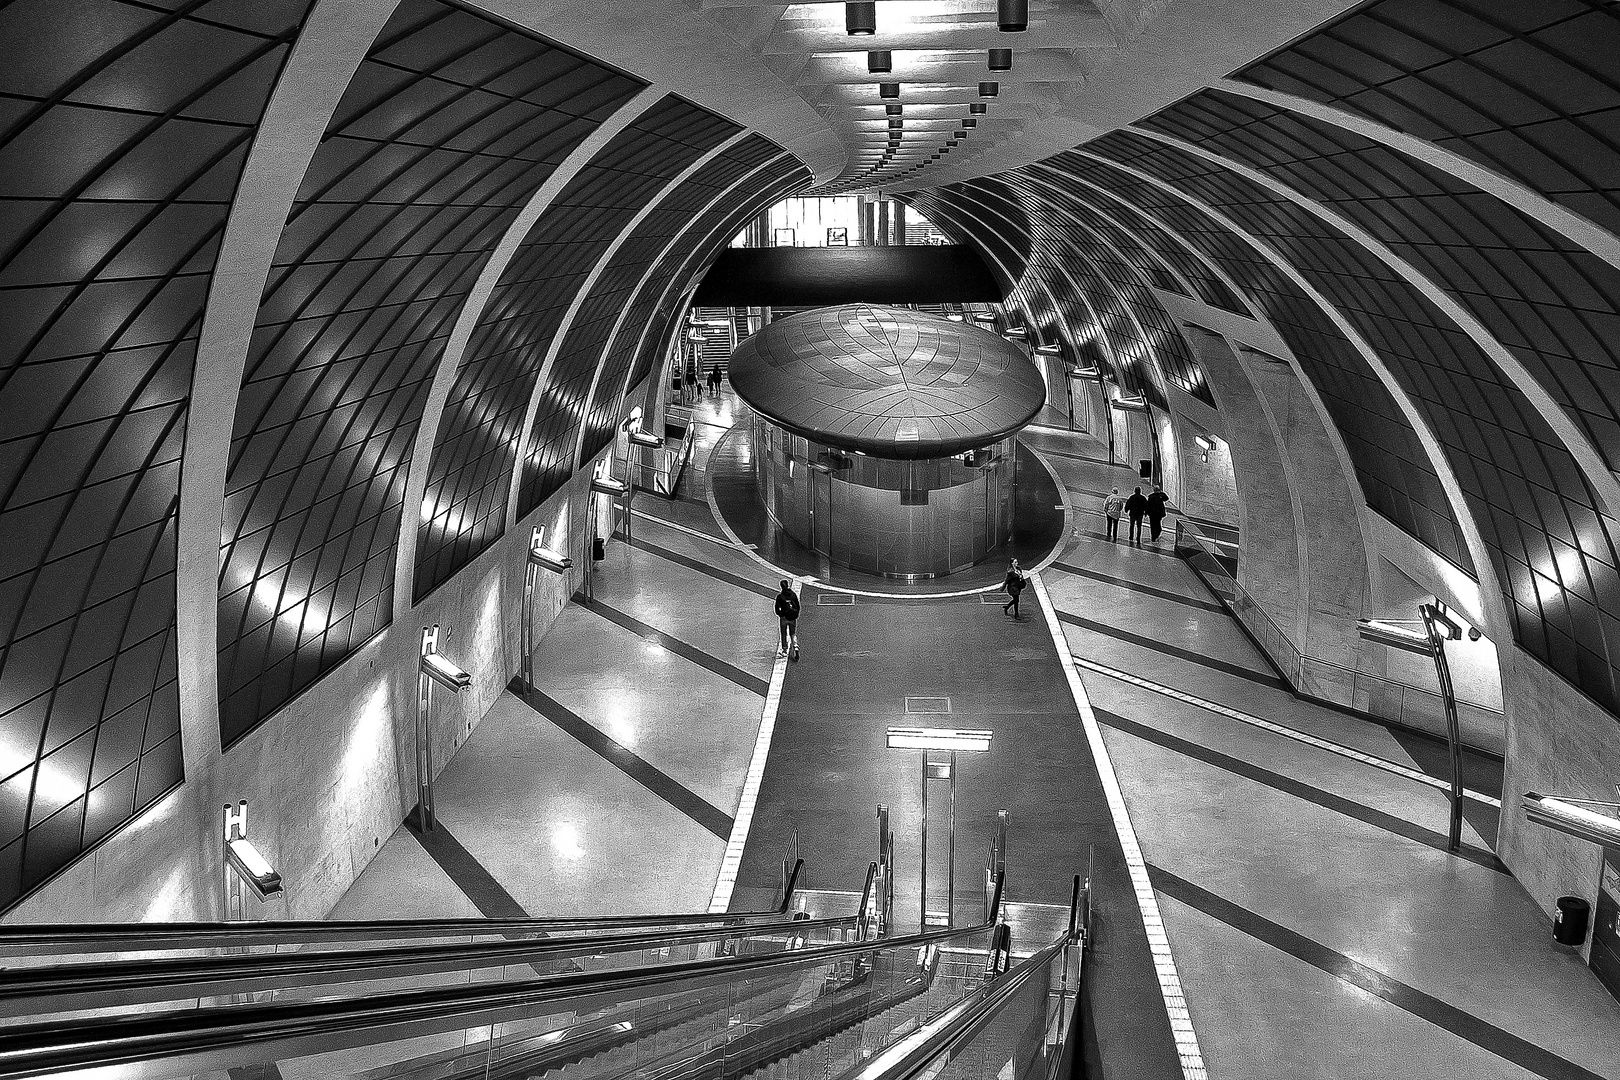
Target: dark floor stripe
pixel 1172 650
pixel 702 568
pixel 1465 1025
pixel 1300 790
pixel 488 895
pixel 679 648
pixel 1124 527
pixel 672 523
pixel 627 761
pixel 1038 448
pixel 1136 586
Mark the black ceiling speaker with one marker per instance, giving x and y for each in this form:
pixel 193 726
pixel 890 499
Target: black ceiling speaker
pixel 1000 59
pixel 879 62
pixel 860 20
pixel 989 89
pixel 888 90
pixel 1012 16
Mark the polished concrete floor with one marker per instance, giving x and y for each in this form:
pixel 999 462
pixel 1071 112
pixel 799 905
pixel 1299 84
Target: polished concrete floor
pixel 1296 853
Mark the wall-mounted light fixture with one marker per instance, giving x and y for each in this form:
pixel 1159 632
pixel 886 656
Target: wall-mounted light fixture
pixel 604 484
pixel 1049 350
pixel 1012 16
pixel 1575 817
pixel 433 669
pixel 999 59
pixel 989 89
pixel 1130 403
pixel 242 857
pixel 540 558
pixel 860 20
pixel 1426 636
pixel 1016 332
pixel 880 61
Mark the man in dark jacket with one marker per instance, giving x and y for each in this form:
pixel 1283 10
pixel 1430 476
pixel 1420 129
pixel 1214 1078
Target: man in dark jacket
pixel 787 613
pixel 1135 507
pixel 1155 511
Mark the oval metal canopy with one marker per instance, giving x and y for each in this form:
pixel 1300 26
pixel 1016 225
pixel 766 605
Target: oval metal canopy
pixel 886 381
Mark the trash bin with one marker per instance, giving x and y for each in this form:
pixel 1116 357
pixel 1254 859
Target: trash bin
pixel 1569 923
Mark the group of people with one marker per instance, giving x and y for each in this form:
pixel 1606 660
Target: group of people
pixel 1136 507
pixel 690 390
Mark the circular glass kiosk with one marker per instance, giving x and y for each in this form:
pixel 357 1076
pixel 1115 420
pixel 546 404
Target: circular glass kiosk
pixel 882 436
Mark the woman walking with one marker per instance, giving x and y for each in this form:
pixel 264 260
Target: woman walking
pixel 1014 584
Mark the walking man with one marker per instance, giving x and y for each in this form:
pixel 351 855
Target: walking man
pixel 1136 506
pixel 1014 585
pixel 714 380
pixel 1113 506
pixel 787 614
pixel 1155 511
pixel 691 382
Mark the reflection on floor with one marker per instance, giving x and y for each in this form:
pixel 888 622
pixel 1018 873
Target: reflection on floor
pixel 1318 926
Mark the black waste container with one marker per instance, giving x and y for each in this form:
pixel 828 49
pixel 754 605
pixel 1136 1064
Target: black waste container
pixel 598 549
pixel 1569 924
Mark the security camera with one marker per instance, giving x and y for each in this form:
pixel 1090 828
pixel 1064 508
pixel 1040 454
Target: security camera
pixel 1473 633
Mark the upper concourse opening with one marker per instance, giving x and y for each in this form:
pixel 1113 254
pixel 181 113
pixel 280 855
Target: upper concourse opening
pixel 839 221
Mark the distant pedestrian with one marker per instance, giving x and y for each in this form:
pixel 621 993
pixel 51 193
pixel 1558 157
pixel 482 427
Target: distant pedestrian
pixel 1014 584
pixel 1113 506
pixel 1155 511
pixel 787 615
pixel 691 383
pixel 714 380
pixel 1136 506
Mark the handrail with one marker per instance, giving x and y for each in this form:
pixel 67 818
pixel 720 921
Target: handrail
pixel 217 1036
pixel 957 1024
pixel 130 982
pixel 152 937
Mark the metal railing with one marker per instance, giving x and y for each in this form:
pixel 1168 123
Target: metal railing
pixel 1311 676
pixel 860 980
pixel 662 474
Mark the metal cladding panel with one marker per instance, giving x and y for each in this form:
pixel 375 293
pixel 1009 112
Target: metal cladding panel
pixel 1007 252
pixel 444 133
pixel 1551 543
pixel 628 304
pixel 1555 305
pixel 718 225
pixel 469 477
pixel 125 136
pixel 1395 474
pixel 1170 249
pixel 1525 89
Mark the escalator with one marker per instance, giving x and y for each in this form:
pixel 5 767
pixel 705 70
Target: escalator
pixel 771 994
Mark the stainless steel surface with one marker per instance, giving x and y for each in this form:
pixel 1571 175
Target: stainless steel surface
pixel 887 382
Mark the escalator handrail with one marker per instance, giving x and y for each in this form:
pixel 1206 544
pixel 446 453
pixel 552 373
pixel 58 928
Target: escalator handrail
pixel 958 1023
pixel 216 1036
pixel 151 937
pixel 105 984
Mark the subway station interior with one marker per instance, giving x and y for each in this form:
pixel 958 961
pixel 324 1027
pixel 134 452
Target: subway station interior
pixel 416 417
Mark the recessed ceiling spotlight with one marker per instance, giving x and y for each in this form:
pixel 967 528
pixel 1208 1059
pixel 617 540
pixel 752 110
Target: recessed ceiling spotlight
pixel 989 89
pixel 880 61
pixel 979 108
pixel 860 20
pixel 1000 60
pixel 969 122
pixel 896 122
pixel 888 90
pixel 1012 16
pixel 893 108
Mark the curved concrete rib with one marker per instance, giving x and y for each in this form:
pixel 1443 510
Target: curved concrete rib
pixel 334 41
pixel 607 257
pixel 676 280
pixel 1493 615
pixel 1588 234
pixel 455 350
pixel 1598 474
